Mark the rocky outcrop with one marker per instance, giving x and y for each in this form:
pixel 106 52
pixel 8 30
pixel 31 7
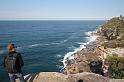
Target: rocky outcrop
pixel 59 77
pixel 46 77
pixel 113 30
pixel 110 42
pixel 83 59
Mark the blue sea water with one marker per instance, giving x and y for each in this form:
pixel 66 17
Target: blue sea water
pixel 43 44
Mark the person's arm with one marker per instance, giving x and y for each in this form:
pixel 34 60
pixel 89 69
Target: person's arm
pixel 20 59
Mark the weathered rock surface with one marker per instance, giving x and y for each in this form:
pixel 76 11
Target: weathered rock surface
pixel 59 77
pixel 46 77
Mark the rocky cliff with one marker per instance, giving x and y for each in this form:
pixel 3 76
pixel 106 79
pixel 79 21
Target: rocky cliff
pixel 105 55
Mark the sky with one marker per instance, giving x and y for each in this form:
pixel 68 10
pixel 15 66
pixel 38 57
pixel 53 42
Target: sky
pixel 60 9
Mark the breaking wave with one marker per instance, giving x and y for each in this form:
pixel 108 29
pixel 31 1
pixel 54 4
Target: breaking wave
pixel 90 38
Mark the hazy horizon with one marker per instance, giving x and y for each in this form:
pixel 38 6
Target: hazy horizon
pixel 60 9
pixel 54 19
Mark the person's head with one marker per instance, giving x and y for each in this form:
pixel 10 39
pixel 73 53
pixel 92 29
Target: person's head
pixel 11 47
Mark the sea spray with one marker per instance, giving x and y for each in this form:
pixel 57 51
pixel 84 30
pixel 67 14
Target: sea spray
pixel 70 55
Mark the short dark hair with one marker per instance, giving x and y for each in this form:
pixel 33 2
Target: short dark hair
pixel 11 47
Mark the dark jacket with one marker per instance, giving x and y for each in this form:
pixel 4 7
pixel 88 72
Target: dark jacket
pixel 19 61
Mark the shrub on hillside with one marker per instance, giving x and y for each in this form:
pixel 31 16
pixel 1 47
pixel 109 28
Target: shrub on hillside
pixel 116 69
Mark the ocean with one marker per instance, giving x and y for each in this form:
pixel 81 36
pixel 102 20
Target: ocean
pixel 44 44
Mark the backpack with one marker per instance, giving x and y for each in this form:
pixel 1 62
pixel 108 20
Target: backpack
pixel 10 63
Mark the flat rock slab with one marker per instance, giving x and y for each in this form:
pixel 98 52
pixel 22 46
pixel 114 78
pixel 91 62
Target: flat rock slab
pixel 59 77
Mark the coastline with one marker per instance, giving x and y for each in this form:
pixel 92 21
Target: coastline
pixel 94 55
pixel 78 64
pixel 86 46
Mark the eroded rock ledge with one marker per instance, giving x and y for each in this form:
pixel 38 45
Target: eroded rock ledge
pixel 59 77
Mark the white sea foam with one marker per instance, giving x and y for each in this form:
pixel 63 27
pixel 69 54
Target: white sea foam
pixel 59 66
pixel 60 60
pixel 34 45
pixel 65 40
pixel 58 55
pixel 89 38
pixel 71 48
pixel 88 33
pixel 70 54
pixel 54 43
pixel 61 42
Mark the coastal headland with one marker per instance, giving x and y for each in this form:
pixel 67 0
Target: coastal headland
pixel 101 60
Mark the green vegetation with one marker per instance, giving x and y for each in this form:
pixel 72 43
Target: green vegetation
pixel 114 23
pixel 113 30
pixel 116 69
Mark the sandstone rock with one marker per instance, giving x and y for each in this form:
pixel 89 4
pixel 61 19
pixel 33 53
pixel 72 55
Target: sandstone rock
pixel 59 77
pixel 47 77
pixel 88 77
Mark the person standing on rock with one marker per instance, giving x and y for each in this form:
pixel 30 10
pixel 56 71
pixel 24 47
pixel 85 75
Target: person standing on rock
pixel 13 63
